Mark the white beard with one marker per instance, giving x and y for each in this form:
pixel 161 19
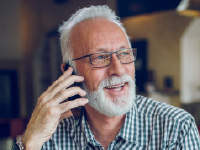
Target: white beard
pixel 114 106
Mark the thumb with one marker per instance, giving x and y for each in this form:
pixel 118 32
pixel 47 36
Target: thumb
pixel 65 115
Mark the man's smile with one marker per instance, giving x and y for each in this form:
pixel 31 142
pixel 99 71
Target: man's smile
pixel 117 89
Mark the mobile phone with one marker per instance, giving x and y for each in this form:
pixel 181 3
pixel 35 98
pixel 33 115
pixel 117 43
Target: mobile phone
pixel 79 84
pixel 78 110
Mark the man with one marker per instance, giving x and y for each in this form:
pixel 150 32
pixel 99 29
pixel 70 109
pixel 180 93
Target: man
pixel 95 44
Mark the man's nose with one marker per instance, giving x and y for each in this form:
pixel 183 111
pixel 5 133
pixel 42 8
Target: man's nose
pixel 116 67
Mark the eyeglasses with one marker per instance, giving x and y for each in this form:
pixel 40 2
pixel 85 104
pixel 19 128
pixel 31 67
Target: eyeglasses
pixel 103 59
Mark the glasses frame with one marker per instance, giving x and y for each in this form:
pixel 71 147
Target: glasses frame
pixel 89 55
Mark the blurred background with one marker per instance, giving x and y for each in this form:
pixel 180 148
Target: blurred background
pixel 166 34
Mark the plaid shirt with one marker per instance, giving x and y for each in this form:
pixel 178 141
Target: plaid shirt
pixel 149 125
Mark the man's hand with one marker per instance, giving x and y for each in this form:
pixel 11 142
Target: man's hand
pixel 49 110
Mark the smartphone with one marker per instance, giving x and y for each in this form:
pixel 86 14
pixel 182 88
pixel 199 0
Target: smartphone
pixel 79 84
pixel 78 110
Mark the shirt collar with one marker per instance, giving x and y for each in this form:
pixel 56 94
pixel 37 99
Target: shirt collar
pixel 130 129
pixel 81 133
pixel 88 133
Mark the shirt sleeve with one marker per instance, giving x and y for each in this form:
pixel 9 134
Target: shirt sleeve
pixel 189 138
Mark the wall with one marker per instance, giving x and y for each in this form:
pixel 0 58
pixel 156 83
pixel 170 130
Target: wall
pixel 190 60
pixel 10 33
pixel 11 43
pixel 163 31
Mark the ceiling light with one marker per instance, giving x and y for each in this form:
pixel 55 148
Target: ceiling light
pixel 189 8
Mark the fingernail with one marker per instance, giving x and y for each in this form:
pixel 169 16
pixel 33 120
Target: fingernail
pixel 86 100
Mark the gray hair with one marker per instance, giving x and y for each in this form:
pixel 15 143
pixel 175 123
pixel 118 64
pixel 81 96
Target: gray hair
pixel 91 12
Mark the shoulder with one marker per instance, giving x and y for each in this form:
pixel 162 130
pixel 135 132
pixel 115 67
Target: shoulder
pixel 67 124
pixel 154 109
pixel 166 124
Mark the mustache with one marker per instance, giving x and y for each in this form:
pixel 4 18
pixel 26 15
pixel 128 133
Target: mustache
pixel 113 80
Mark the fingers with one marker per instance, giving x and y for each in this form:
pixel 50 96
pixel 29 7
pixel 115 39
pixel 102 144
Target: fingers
pixel 64 107
pixel 66 93
pixel 66 115
pixel 61 96
pixel 49 110
pixel 64 84
pixel 60 91
pixel 61 78
pixel 61 84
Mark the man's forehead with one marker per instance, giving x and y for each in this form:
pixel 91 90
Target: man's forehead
pixel 97 25
pixel 101 35
pixel 97 29
pixel 91 35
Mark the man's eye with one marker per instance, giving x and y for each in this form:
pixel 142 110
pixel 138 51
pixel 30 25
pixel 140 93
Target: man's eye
pixel 101 57
pixel 124 53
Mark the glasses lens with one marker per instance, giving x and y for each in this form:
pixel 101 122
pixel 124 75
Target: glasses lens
pixel 100 59
pixel 126 55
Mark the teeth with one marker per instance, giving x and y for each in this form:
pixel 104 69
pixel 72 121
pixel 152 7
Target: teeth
pixel 113 86
pixel 117 89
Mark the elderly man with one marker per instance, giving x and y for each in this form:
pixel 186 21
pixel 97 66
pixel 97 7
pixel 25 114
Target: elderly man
pixel 110 115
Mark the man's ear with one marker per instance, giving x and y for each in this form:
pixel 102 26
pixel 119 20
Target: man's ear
pixel 62 66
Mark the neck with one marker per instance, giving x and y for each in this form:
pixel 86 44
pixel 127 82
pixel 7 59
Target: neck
pixel 103 127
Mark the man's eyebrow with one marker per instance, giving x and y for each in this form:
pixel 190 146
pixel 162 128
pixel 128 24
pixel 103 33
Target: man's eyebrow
pixel 123 47
pixel 105 49
pixel 101 50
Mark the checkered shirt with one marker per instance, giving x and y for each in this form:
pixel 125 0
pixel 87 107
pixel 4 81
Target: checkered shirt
pixel 149 125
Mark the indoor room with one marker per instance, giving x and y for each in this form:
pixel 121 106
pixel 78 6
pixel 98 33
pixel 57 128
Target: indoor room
pixel 165 33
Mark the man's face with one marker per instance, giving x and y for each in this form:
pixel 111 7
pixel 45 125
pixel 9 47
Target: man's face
pixel 100 35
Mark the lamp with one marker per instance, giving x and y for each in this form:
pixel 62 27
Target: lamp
pixel 189 8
